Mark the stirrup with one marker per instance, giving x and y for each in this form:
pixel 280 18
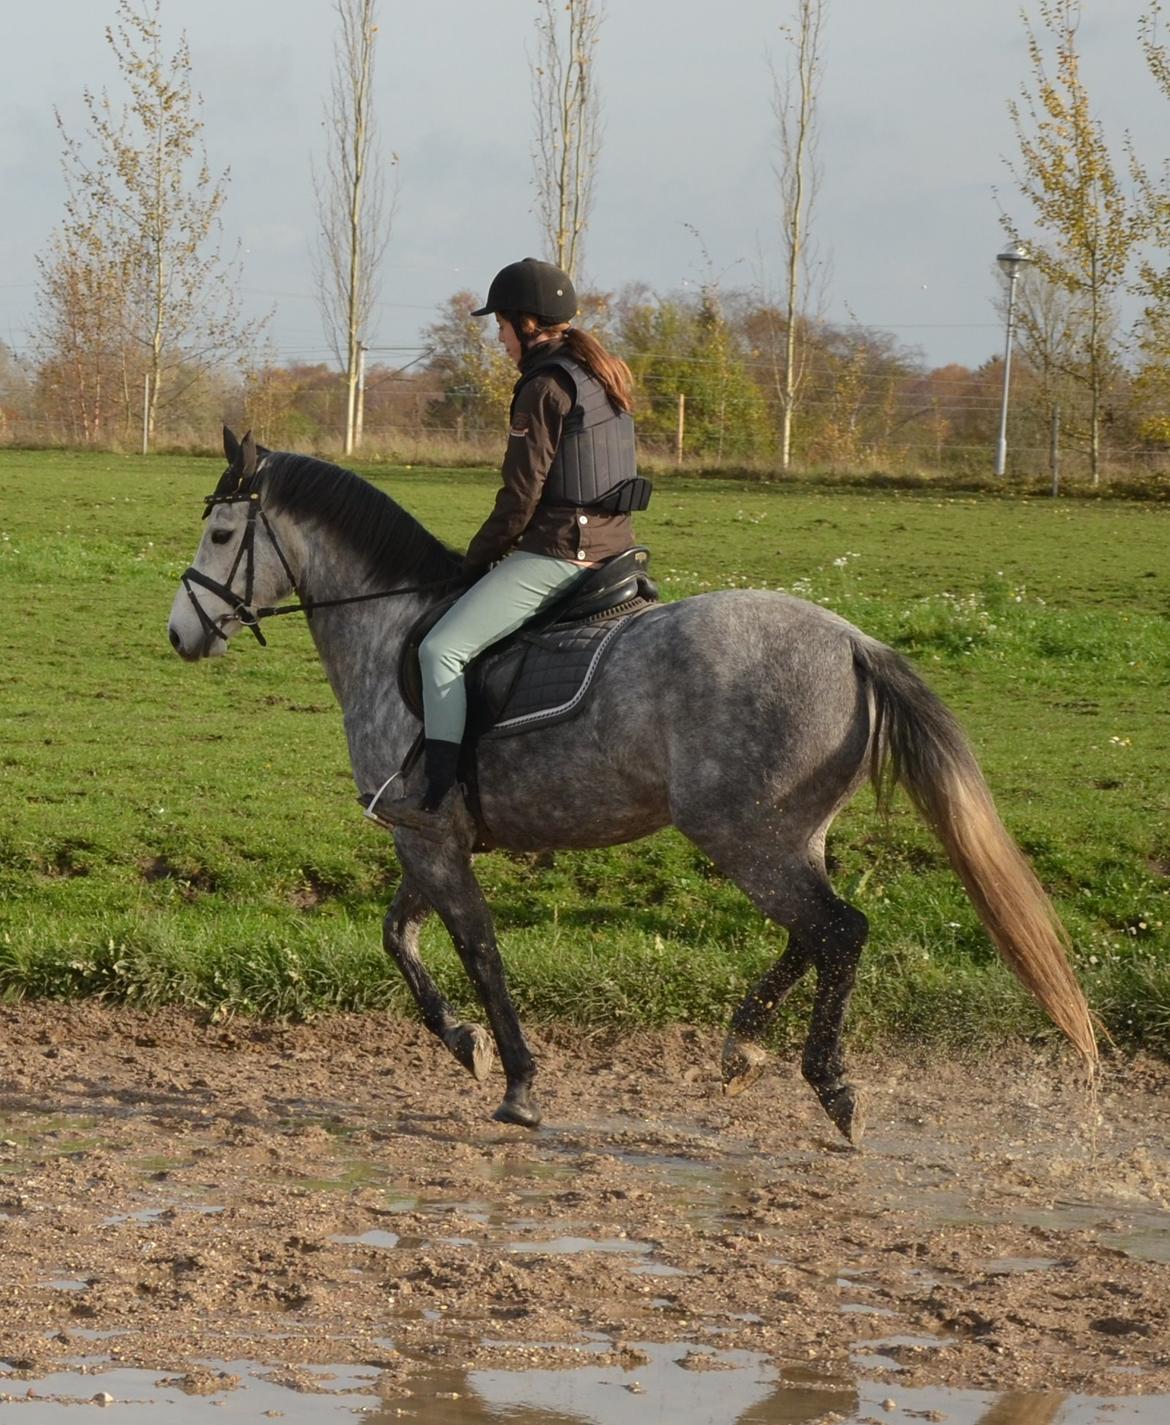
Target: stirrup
pixel 407 815
pixel 368 808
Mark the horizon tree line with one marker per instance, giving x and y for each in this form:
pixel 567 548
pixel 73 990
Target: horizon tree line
pixel 138 309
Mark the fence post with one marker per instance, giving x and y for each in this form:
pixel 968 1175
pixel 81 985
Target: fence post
pixel 146 414
pixel 1054 451
pixel 682 422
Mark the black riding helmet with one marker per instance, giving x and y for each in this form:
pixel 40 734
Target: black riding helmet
pixel 535 287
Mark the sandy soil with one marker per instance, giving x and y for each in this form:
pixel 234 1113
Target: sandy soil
pixel 336 1192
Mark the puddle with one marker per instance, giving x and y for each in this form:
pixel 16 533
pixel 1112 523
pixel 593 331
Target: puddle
pixel 1016 1266
pixel 370 1239
pixel 171 1399
pixel 146 1215
pixel 557 1246
pixel 882 1353
pixel 684 1382
pixel 56 1137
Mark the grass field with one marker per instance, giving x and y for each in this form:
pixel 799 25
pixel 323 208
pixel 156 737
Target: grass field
pixel 180 833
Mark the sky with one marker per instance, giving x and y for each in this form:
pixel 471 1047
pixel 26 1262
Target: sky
pixel 913 119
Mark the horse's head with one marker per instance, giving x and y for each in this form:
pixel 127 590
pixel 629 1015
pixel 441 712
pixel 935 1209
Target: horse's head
pixel 238 566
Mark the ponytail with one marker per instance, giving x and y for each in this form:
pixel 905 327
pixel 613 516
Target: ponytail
pixel 610 370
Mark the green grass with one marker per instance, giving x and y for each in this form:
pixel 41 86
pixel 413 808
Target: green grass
pixel 190 834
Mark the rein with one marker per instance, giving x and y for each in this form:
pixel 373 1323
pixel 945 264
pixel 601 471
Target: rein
pixel 241 607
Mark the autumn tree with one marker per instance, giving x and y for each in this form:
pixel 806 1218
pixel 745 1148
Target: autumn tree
pixel 1053 328
pixel 567 136
pixel 86 360
pixel 795 94
pixel 474 375
pixel 354 211
pixel 137 254
pixel 1066 173
pixel 686 347
pixel 1152 284
pixel 14 391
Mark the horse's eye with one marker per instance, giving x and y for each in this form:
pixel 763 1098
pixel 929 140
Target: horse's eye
pixel 220 536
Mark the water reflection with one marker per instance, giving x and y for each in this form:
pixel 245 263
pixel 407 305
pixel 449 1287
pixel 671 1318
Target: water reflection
pixel 729 1388
pixel 745 1392
pixel 657 1391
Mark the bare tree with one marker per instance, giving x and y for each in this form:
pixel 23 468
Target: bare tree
pixel 354 211
pixel 1065 171
pixel 794 103
pixel 142 217
pixel 567 141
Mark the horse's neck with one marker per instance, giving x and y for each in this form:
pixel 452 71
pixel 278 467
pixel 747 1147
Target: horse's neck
pixel 360 646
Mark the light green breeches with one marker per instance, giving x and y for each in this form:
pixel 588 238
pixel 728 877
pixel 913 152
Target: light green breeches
pixel 500 603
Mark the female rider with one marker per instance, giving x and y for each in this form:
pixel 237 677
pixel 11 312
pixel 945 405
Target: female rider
pixel 569 482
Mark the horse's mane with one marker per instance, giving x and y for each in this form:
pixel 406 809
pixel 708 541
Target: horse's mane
pixel 380 531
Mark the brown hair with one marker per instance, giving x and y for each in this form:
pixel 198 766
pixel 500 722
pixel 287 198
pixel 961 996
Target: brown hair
pixel 610 370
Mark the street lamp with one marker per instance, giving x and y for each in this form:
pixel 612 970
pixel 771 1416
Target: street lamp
pixel 1014 257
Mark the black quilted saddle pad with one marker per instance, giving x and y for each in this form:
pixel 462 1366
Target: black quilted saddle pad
pixel 542 678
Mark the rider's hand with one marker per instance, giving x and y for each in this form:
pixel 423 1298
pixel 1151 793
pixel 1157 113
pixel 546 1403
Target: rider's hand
pixel 471 573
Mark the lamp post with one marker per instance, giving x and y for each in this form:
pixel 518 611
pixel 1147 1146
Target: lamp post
pixel 1011 260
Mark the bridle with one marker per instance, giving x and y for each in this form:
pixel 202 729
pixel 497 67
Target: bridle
pixel 240 607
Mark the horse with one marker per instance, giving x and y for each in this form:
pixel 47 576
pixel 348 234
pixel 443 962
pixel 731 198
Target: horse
pixel 745 718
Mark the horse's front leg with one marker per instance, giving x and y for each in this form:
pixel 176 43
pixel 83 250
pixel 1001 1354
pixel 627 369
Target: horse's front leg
pixel 471 1045
pixel 443 875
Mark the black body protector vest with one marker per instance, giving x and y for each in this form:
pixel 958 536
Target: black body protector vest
pixel 595 466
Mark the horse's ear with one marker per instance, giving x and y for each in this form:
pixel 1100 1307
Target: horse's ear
pixel 248 451
pixel 231 446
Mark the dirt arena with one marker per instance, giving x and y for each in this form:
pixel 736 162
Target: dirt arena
pixel 295 1195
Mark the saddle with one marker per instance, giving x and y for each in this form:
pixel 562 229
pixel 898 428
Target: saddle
pixel 541 674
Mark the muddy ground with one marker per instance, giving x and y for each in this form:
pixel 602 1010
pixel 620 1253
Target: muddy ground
pixel 179 1191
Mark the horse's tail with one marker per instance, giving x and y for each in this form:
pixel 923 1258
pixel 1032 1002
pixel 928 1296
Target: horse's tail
pixel 917 742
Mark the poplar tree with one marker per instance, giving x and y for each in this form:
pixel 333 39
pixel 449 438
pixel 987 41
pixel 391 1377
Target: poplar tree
pixel 1152 284
pixel 794 103
pixel 354 212
pixel 1065 171
pixel 567 137
pixel 138 250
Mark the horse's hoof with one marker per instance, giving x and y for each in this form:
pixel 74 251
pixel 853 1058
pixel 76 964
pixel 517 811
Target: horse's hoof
pixel 742 1064
pixel 524 1115
pixel 846 1109
pixel 472 1047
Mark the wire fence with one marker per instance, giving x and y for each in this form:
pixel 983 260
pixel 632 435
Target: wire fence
pixel 886 420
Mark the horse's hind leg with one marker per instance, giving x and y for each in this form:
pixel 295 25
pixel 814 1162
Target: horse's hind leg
pixel 835 944
pixel 471 1045
pixel 828 934
pixel 824 933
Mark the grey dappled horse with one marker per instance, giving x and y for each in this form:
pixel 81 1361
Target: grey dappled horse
pixel 747 719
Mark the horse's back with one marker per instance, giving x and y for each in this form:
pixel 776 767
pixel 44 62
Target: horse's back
pixel 703 701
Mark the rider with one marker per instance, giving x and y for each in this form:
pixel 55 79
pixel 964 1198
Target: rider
pixel 569 482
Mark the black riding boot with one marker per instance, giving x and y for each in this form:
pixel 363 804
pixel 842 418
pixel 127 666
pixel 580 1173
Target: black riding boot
pixel 432 812
pixel 441 765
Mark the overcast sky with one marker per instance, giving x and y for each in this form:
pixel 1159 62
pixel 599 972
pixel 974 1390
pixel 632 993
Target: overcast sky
pixel 914 130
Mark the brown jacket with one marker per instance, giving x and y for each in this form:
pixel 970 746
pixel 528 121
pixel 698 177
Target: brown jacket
pixel 518 519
